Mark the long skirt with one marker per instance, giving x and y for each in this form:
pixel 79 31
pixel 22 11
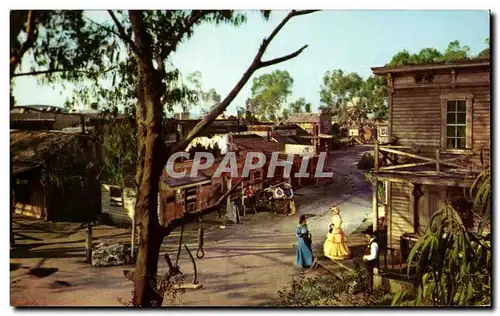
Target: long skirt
pixel 335 246
pixel 304 256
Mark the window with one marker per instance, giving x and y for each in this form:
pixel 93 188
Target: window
pixel 115 196
pixel 456 121
pixel 456 113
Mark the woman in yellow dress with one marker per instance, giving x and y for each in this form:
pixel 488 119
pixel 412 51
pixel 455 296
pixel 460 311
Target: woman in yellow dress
pixel 335 246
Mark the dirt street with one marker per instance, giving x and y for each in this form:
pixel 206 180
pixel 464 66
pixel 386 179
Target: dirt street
pixel 245 264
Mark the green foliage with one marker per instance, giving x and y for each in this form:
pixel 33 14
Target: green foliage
pixel 350 98
pixel 308 108
pixel 64 40
pixel 380 186
pixel 299 106
pixel 454 52
pixel 329 290
pixel 452 264
pixel 285 113
pixel 485 53
pixel 481 193
pixel 70 47
pixel 366 162
pixel 269 93
pixel 119 144
pixel 205 99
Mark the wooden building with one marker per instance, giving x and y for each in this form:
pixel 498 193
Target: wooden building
pixel 187 194
pixel 54 175
pixel 38 117
pixel 319 125
pixel 439 128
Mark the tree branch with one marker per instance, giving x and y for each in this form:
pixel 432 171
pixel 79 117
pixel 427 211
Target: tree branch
pixel 30 40
pixel 104 27
pixel 50 71
pixel 282 59
pixel 193 19
pixel 255 65
pixel 123 34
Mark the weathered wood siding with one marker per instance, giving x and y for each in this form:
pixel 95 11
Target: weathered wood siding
pixel 416 108
pixel 34 206
pixel 400 219
pixel 118 215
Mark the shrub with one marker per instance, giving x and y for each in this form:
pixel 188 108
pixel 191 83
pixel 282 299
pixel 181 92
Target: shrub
pixel 329 290
pixel 366 162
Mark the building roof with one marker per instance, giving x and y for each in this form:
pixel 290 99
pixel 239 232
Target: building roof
pixel 303 118
pixel 28 148
pixel 187 181
pixel 434 66
pixel 257 144
pixel 38 107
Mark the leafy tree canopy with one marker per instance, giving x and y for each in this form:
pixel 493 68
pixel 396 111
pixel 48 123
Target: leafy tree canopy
pixel 453 52
pixel 299 106
pixel 269 93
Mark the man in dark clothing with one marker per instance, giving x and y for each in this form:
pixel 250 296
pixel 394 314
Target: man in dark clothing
pixel 370 258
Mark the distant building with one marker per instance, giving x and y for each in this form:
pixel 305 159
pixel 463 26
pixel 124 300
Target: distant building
pixel 319 125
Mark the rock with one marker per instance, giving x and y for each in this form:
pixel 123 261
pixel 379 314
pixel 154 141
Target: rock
pixel 110 255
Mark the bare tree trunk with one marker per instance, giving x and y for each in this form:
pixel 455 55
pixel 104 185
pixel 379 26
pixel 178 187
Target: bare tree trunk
pixel 149 167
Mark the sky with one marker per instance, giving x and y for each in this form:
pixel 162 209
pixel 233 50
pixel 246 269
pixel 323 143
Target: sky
pixel 353 41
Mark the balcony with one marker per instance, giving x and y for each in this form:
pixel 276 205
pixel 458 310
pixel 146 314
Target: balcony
pixel 428 164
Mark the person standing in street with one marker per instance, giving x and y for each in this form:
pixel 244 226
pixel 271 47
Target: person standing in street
pixel 371 255
pixel 250 195
pixel 304 256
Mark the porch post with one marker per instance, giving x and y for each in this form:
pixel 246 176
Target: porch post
pixel 416 194
pixel 375 205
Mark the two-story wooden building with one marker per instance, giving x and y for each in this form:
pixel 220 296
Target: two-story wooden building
pixel 439 132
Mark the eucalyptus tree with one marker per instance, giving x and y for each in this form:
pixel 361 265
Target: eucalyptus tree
pixel 126 60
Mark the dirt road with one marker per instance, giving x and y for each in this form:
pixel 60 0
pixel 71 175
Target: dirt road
pixel 245 264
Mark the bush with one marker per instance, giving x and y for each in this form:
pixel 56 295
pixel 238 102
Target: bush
pixel 329 290
pixel 366 162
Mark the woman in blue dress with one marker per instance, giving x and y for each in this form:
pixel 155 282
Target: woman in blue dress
pixel 304 257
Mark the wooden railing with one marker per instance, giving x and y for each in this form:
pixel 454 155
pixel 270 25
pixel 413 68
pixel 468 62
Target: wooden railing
pixel 386 159
pixel 392 261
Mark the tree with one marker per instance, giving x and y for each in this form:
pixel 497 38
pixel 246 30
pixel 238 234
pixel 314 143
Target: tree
pixel 64 45
pixel 269 93
pixel 485 53
pixel 350 98
pixel 308 108
pixel 454 52
pixel 285 114
pixel 206 100
pixel 300 105
pixel 336 90
pixel 155 36
pixel 137 46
